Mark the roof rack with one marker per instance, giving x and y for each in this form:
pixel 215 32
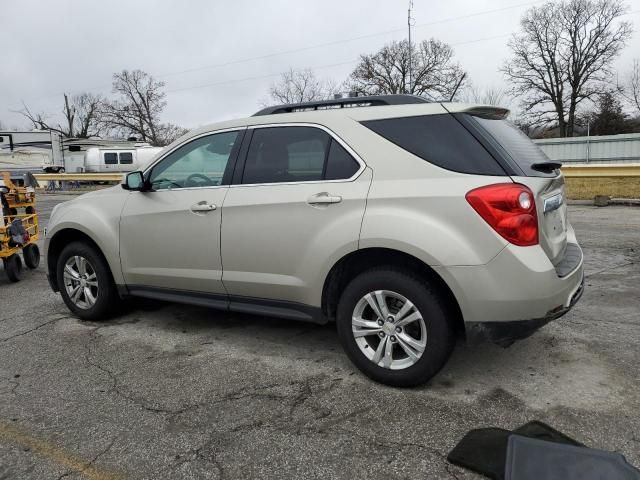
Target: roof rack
pixel 348 102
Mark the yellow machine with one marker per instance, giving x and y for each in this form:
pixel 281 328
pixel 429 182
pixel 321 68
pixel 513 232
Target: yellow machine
pixel 18 203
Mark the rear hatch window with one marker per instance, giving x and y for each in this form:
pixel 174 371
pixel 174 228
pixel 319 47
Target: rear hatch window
pixel 512 145
pixel 439 139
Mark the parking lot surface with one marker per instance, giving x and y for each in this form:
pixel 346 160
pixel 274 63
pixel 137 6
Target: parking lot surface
pixel 172 391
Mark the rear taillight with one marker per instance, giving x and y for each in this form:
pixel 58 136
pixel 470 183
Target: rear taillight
pixel 510 209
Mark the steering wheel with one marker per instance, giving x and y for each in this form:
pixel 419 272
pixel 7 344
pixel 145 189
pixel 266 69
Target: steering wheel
pixel 166 181
pixel 196 180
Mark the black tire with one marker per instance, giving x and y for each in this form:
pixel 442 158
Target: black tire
pixel 440 333
pixel 13 267
pixel 107 298
pixel 31 254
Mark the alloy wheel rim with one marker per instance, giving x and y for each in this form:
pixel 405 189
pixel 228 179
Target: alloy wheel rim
pixel 80 282
pixel 389 329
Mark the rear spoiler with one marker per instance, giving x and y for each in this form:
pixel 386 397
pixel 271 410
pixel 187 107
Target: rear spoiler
pixel 493 113
pixel 484 111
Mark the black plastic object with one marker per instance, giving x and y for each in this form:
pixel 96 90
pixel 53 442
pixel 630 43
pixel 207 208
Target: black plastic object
pixel 484 450
pixel 533 459
pixel 542 431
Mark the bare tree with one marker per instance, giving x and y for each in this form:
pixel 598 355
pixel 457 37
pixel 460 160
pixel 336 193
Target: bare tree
pixel 435 73
pixel 631 89
pixel 490 95
pixel 297 86
pixel 82 115
pixel 38 120
pixel 563 56
pixel 137 108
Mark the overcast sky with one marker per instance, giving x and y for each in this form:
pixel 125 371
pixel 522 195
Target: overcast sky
pixel 208 52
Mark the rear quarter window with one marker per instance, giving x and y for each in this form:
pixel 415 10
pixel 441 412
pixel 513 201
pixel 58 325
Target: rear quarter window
pixel 440 140
pixel 511 143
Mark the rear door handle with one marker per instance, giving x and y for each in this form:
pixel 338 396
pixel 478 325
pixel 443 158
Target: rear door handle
pixel 203 206
pixel 323 198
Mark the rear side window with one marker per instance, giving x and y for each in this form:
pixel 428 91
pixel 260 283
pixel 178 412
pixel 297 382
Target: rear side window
pixel 126 158
pixel 295 154
pixel 340 164
pixel 110 158
pixel 519 148
pixel 440 140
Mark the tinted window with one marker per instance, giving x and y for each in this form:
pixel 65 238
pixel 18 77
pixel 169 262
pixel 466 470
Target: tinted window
pixel 111 158
pixel 200 163
pixel 438 139
pixel 521 150
pixel 286 154
pixel 126 158
pixel 340 164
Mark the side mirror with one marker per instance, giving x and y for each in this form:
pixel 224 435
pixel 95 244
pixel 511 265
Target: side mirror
pixel 134 182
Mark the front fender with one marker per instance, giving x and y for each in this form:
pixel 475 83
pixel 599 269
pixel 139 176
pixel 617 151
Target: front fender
pixel 97 217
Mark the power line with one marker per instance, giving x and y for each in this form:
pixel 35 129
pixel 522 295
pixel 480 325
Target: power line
pixel 345 40
pixel 316 46
pixel 349 62
pixel 257 77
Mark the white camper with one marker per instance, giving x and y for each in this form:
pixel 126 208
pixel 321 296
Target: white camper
pixel 30 150
pixel 113 159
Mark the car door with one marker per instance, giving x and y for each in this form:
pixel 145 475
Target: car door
pixel 295 206
pixel 170 234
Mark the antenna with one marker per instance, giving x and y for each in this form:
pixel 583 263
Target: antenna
pixel 410 22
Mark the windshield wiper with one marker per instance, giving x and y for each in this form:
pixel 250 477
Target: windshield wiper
pixel 546 167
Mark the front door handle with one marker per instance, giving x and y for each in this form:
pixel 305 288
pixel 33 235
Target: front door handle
pixel 323 198
pixel 203 206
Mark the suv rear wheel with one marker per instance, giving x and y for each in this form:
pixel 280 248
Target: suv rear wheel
pixel 85 282
pixel 394 327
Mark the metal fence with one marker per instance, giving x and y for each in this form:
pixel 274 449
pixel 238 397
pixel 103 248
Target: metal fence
pixel 602 149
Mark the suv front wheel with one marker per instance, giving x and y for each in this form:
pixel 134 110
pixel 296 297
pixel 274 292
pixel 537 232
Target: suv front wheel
pixel 394 327
pixel 85 282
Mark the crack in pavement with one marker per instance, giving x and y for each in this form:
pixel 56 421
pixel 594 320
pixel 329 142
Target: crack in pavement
pixel 6 339
pixel 608 269
pixel 196 454
pixel 114 381
pixel 90 463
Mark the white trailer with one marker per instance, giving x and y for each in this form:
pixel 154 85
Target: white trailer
pixel 31 150
pixel 116 159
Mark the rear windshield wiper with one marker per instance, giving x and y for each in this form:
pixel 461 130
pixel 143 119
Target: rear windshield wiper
pixel 546 167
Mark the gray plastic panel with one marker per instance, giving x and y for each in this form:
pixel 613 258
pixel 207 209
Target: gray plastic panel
pixel 531 459
pixel 571 259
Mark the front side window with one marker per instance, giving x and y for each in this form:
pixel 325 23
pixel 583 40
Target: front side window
pixel 126 158
pixel 200 163
pixel 296 154
pixel 110 158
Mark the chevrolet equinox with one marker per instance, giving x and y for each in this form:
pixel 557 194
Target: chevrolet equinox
pixel 408 223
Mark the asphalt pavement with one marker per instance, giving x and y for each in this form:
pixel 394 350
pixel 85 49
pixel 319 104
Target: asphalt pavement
pixel 177 392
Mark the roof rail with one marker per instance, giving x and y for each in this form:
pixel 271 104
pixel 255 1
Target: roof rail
pixel 364 101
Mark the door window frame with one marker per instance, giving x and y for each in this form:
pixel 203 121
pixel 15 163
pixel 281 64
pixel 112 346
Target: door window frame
pixel 229 168
pixel 244 150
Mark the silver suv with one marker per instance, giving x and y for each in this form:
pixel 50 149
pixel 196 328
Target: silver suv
pixel 410 224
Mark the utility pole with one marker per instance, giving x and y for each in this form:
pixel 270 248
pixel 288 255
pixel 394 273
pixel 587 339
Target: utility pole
pixel 410 21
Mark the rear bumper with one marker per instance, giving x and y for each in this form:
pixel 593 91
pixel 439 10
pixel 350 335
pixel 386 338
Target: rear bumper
pixel 516 293
pixel 505 333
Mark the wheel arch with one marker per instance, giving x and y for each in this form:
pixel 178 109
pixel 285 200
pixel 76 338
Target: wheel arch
pixel 61 239
pixel 358 261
